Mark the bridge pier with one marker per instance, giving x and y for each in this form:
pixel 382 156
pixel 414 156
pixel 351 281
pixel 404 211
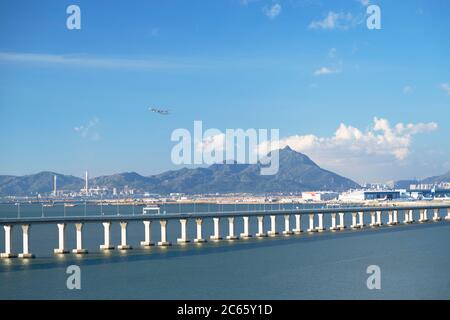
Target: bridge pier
pixel 341 221
pixel 216 236
pixel 183 239
pixel 8 244
pixel 379 223
pixel 333 222
pixel 61 239
pixel 147 234
pixel 390 218
pixel 373 221
pixel 79 249
pixel 423 215
pixel 410 218
pixel 231 235
pixel 123 237
pixel 311 228
pixel 199 238
pixel 163 242
pixel 287 229
pixel 436 216
pixel 25 253
pixel 107 236
pixel 298 224
pixel 320 227
pixel 261 233
pixel 273 230
pixel 448 215
pixel 395 213
pixel 246 234
pixel 361 220
pixel 354 223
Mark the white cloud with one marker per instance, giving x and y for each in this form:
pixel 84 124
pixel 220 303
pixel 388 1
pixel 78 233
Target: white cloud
pixel 348 142
pixel 89 130
pixel 445 87
pixel 273 11
pixel 334 20
pixel 89 61
pixel 407 90
pixel 324 71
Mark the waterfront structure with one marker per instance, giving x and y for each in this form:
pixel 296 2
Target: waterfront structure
pixel 421 213
pixel 319 196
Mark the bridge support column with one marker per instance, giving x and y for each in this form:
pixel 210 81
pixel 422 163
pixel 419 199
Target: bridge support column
pixel 273 230
pixel 395 216
pixel 436 216
pixel 25 252
pixel 261 233
pixel 8 245
pixel 79 249
pixel 231 235
pixel 341 221
pixel 287 229
pixel 354 223
pixel 183 238
pixel 107 235
pixel 246 234
pixel 320 228
pixel 147 234
pixel 333 222
pixel 61 239
pixel 373 221
pixel 123 237
pixel 361 219
pixel 311 228
pixel 163 242
pixel 379 223
pixel 199 238
pixel 216 236
pixel 390 218
pixel 406 213
pixel 411 216
pixel 448 214
pixel 298 224
pixel 423 215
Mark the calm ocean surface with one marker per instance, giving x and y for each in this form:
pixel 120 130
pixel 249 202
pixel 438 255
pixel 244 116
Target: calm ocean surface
pixel 414 261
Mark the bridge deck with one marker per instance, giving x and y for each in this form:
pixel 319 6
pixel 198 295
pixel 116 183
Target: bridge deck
pixel 171 216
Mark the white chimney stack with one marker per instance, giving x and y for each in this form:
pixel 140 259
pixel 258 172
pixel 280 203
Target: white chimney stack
pixel 86 183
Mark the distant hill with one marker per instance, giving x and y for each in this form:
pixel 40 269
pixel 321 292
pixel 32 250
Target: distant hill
pixel 404 184
pixel 297 172
pixel 437 179
pixel 41 182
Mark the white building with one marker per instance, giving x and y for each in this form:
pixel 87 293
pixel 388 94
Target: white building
pixel 319 196
pixel 352 196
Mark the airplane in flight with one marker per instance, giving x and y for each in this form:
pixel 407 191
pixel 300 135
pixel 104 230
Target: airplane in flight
pixel 159 111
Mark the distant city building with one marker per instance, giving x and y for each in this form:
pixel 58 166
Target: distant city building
pixel 423 186
pixel 362 195
pixel 320 196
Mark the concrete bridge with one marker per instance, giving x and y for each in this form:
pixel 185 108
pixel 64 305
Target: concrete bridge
pixel 396 215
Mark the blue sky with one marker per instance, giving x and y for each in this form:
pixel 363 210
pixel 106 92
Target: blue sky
pixel 72 100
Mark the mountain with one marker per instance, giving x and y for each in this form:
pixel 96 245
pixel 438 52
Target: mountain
pixel 297 172
pixel 404 184
pixel 437 179
pixel 41 182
